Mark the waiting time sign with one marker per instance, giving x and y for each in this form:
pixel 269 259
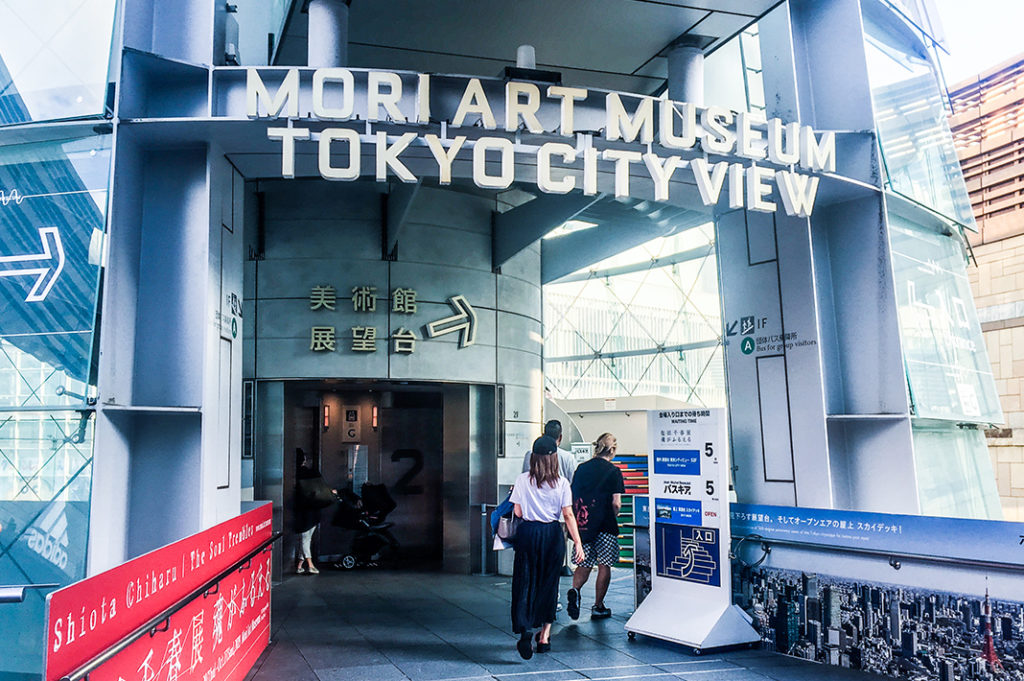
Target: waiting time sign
pixel 689 533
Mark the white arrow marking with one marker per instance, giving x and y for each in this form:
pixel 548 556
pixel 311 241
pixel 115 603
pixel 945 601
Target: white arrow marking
pixel 52 259
pixel 464 321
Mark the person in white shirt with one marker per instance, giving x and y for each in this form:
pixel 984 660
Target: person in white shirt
pixel 566 461
pixel 541 495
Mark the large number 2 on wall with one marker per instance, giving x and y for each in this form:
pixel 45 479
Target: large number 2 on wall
pixel 403 486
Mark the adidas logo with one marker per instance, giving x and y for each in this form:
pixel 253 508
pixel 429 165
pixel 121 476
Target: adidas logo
pixel 49 536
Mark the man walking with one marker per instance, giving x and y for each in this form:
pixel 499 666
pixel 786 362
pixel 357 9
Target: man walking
pixel 597 490
pixel 566 464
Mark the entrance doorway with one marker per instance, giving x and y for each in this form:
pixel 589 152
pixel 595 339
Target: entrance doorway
pixel 429 448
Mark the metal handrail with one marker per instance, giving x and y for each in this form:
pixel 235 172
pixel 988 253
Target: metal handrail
pixel 893 556
pixel 15 593
pixel 153 625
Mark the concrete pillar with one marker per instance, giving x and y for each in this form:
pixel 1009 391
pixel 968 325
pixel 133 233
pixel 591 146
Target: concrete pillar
pixel 686 74
pixel 328 33
pixel 526 57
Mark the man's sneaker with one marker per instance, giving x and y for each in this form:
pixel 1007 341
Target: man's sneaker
pixel 600 613
pixel 573 608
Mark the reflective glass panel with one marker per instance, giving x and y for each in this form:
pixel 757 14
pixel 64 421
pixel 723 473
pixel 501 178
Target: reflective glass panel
pixel 651 327
pixel 260 25
pixel 51 229
pixel 45 481
pixel 54 57
pixel 919 158
pixel 946 359
pixel 954 472
pixel 732 73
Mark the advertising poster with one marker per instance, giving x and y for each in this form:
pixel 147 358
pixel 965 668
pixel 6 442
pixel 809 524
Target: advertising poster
pixel 956 632
pixel 89 617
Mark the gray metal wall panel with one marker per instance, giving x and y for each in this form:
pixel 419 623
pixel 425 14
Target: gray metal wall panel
pixel 437 282
pixel 776 440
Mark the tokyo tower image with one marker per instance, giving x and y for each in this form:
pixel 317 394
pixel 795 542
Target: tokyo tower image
pixel 989 651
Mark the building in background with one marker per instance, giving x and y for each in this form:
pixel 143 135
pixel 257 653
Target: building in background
pixel 988 130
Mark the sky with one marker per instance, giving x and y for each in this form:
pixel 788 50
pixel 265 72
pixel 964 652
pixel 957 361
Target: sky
pixel 979 35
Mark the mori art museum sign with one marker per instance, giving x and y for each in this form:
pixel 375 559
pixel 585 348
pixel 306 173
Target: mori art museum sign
pixel 608 132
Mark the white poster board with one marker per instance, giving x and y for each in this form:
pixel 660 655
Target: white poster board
pixel 691 579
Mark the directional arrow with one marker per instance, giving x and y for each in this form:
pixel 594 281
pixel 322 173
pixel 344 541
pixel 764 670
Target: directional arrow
pixel 730 329
pixel 47 265
pixel 464 321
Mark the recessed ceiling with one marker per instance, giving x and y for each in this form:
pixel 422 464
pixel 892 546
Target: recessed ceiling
pixel 610 44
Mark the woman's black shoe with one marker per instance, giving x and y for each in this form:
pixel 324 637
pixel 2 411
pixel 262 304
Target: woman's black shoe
pixel 525 646
pixel 542 647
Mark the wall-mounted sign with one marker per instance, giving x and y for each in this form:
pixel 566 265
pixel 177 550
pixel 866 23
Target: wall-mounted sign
pixel 652 130
pixel 363 338
pixel 689 533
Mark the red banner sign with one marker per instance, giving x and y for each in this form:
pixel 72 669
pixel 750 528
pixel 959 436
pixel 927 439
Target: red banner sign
pixel 89 617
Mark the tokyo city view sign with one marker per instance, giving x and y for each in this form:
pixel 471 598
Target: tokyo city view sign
pixel 758 155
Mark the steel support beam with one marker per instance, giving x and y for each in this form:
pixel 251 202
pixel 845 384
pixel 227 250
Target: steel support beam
pixel 400 200
pixel 516 229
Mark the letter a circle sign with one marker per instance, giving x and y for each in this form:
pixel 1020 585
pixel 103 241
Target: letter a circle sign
pixel 747 346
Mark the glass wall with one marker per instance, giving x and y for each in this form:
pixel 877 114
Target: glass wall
pixel 54 58
pixel 52 222
pixel 918 155
pixel 954 472
pixel 644 322
pixel 947 364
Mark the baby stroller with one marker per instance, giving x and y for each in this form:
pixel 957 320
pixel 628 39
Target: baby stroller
pixel 366 516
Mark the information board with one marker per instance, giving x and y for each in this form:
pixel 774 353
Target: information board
pixel 691 599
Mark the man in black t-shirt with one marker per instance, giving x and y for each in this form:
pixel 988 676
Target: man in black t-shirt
pixel 597 490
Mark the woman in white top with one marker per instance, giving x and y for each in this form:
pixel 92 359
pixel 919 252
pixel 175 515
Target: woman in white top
pixel 540 496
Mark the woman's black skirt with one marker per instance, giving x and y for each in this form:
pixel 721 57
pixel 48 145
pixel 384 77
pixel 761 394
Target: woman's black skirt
pixel 540 553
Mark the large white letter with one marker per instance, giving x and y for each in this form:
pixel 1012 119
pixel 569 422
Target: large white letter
pixel 661 172
pixel 444 157
pixel 709 184
pixel 666 131
pixel 568 95
pixel 618 124
pixel 333 75
pixel 286 96
pixel 749 142
pixel 717 139
pixel 815 154
pixel 757 189
pixel 423 99
pixel 288 137
pixel 797 192
pixel 375 98
pixel 480 176
pixel 388 157
pixel 544 181
pixel 329 172
pixel 474 101
pixel 783 143
pixel 514 108
pixel 622 160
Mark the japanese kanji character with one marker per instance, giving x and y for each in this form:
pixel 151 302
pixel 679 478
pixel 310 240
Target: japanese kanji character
pixel 322 339
pixel 364 339
pixel 405 341
pixel 403 300
pixel 363 299
pixel 322 297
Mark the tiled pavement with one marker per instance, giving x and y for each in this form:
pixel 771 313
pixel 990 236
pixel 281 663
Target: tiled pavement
pixel 374 625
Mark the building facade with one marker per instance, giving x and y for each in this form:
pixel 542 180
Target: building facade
pixel 988 130
pixel 233 232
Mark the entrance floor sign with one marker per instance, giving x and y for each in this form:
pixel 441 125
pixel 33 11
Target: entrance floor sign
pixel 215 636
pixel 691 600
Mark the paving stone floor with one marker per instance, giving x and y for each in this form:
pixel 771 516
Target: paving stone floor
pixel 379 625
